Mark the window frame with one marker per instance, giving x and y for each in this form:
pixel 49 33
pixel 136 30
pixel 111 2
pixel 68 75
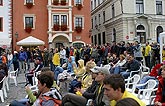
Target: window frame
pixel 80 2
pixel 60 22
pixel 139 7
pixel 82 21
pixel 113 10
pixel 30 16
pixel 1 24
pixel 1 2
pixel 159 7
pixel 25 2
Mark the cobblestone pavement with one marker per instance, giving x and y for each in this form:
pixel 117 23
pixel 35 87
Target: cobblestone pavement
pixel 15 93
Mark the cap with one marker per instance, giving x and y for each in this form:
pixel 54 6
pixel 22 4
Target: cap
pixel 95 69
pixel 104 70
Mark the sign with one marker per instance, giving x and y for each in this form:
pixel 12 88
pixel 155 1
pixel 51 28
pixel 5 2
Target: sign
pixel 127 37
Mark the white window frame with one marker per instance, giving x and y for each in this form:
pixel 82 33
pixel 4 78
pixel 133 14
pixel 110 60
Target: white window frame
pixel 81 2
pixel 60 18
pixel 30 15
pixel 25 2
pixel 83 20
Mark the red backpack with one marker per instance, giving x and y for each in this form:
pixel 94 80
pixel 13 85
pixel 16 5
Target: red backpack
pixel 56 101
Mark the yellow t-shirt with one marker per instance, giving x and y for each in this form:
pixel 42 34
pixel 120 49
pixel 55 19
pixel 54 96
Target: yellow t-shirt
pixel 128 95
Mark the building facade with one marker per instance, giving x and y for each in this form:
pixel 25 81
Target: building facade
pixel 56 22
pixel 127 20
pixel 5 24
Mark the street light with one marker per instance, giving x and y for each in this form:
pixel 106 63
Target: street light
pixel 16 36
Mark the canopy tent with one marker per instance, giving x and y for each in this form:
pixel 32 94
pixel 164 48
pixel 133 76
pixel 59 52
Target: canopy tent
pixel 162 43
pixel 30 41
pixel 5 42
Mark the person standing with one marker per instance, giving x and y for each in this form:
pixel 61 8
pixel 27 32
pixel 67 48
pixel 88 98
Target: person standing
pixel 147 54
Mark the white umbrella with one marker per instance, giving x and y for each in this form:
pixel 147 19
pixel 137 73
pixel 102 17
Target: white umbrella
pixel 30 41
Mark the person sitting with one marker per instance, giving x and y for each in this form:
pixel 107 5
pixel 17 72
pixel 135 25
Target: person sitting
pixel 115 67
pixel 38 66
pixel 116 91
pixel 154 74
pixel 46 96
pixel 160 94
pixel 95 91
pixel 131 65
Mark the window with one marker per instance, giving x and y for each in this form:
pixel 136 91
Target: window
pixel 1 2
pixel 56 19
pixel 1 24
pixel 63 20
pixel 95 4
pixel 78 21
pixel 99 19
pixel 91 5
pixel 29 1
pixel 113 11
pixel 103 16
pixel 104 39
pixel 78 1
pixel 98 2
pixel 159 7
pixel 29 22
pixel 139 7
pixel 99 38
pixel 92 23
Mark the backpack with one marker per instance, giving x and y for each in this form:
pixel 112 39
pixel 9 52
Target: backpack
pixel 56 101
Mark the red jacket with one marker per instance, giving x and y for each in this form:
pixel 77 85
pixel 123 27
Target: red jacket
pixel 159 92
pixel 154 71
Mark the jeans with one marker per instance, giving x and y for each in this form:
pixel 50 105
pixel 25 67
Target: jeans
pixel 144 80
pixel 57 71
pixel 125 74
pixel 73 100
pixel 22 102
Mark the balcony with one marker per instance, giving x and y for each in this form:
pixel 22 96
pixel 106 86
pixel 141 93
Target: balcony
pixel 28 29
pixel 78 29
pixel 29 5
pixel 79 6
pixel 63 2
pixel 56 27
pixel 63 27
pixel 55 2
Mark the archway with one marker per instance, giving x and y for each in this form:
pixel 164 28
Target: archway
pixel 141 33
pixel 159 30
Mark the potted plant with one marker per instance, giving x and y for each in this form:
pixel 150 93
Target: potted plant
pixel 63 2
pixel 28 29
pixel 78 29
pixel 55 2
pixel 29 5
pixel 79 6
pixel 56 27
pixel 63 27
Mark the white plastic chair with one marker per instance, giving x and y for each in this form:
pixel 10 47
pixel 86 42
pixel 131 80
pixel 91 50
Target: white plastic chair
pixel 144 71
pixel 13 75
pixel 147 92
pixel 2 90
pixel 132 81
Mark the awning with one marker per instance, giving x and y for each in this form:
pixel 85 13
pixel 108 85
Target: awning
pixel 5 43
pixel 30 41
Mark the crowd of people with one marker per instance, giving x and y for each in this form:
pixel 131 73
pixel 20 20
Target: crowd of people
pixel 93 75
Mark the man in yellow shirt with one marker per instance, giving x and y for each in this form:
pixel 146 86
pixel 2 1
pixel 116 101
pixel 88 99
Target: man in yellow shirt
pixel 114 89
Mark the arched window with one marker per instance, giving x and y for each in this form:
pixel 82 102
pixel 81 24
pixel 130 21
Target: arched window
pixel 141 34
pixel 159 29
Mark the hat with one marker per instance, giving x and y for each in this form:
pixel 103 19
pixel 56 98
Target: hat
pixel 95 69
pixel 104 70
